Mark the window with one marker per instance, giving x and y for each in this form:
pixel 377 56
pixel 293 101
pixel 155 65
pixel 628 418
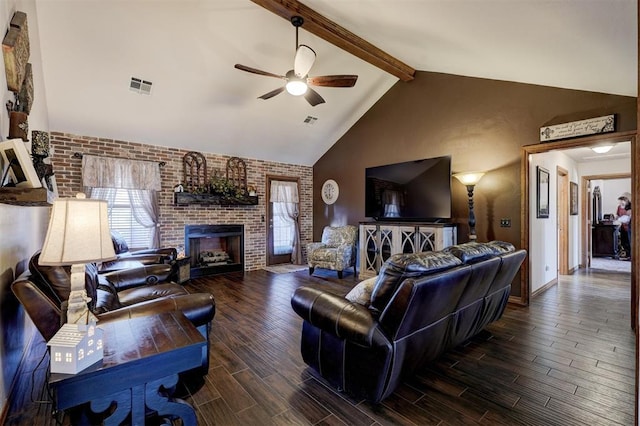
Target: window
pixel 121 216
pixel 283 230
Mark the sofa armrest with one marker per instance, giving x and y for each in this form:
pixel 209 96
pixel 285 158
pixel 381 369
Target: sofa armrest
pixel 346 252
pixel 144 258
pixel 336 315
pixel 169 253
pixel 144 275
pixel 199 308
pixel 314 246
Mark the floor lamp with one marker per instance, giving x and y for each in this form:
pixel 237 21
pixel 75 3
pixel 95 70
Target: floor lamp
pixel 470 180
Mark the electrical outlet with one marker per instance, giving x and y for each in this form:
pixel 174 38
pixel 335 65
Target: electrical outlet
pixel 505 223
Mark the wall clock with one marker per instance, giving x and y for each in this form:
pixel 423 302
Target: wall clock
pixel 330 191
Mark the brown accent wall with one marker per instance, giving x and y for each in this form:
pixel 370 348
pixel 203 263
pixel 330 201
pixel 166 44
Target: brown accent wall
pixel 481 123
pixel 68 173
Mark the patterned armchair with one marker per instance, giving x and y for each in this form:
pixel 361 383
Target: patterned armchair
pixel 337 251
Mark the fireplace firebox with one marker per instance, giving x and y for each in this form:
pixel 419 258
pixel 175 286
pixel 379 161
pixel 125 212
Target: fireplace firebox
pixel 214 249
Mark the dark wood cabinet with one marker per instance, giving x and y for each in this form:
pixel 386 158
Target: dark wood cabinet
pixel 604 240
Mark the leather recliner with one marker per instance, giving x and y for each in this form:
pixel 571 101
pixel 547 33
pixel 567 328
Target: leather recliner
pixel 420 306
pixel 127 259
pixel 114 296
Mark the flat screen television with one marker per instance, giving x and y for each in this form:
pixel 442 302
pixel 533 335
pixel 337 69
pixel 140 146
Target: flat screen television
pixel 410 191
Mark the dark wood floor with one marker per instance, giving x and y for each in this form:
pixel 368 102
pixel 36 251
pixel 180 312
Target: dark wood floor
pixel 568 359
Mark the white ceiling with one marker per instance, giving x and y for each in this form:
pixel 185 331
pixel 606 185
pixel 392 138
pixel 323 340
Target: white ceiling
pixel 619 151
pixel 187 49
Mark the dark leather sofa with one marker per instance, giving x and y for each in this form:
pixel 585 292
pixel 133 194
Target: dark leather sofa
pixel 127 259
pixel 114 296
pixel 420 306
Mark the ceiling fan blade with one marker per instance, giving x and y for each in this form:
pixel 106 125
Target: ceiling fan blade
pixel 313 97
pixel 333 80
pixel 272 93
pixel 305 57
pixel 257 71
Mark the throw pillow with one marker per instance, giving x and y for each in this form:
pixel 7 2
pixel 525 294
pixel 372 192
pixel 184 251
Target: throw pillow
pixel 361 293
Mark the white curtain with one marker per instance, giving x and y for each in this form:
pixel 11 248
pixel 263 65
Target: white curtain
pixel 107 194
pixel 142 180
pixel 284 196
pixel 146 212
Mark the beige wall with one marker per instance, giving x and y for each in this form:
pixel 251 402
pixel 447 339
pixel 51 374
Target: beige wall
pixel 68 173
pixel 481 123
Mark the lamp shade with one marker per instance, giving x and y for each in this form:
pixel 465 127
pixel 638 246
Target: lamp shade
pixel 78 233
pixel 471 178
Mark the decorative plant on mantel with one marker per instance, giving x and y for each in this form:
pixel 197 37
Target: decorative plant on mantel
pixel 222 186
pixel 218 189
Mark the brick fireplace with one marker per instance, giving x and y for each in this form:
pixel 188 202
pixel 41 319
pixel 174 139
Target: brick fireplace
pixel 214 249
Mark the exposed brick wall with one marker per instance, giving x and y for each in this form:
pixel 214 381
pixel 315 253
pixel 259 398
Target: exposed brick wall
pixel 68 175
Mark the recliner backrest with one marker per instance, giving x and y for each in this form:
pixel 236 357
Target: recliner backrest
pixel 402 266
pixel 334 236
pixel 119 243
pixel 55 281
pixel 422 301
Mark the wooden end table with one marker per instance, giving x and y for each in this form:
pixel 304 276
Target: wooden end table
pixel 142 358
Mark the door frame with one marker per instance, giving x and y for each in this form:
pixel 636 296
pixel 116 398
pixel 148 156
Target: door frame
pixel 585 194
pixel 562 214
pixel 525 184
pixel 269 231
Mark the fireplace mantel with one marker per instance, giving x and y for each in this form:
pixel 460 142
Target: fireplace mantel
pixel 186 198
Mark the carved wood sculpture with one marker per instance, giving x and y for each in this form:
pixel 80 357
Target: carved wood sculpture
pixel 16 51
pixel 195 171
pixel 237 173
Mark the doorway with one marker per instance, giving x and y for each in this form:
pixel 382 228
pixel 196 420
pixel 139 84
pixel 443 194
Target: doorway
pixel 601 234
pixel 527 153
pixel 282 222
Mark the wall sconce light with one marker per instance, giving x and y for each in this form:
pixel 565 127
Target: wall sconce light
pixel 470 180
pixel 602 149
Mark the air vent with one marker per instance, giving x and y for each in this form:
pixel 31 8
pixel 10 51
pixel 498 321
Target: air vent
pixel 140 86
pixel 310 121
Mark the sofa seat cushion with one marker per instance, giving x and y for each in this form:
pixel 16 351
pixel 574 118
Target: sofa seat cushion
pixel 361 293
pixel 401 266
pixel 325 254
pixel 140 294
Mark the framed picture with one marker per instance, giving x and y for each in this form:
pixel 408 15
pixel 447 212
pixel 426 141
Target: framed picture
pixel 542 193
pixel 573 198
pixel 17 165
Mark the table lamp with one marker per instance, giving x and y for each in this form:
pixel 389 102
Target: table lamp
pixel 470 180
pixel 78 234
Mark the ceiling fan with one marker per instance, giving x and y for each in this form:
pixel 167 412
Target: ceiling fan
pixel 297 80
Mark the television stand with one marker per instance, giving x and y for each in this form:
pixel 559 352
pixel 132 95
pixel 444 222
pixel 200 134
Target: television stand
pixel 380 240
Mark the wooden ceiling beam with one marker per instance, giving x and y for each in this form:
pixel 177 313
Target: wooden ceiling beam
pixel 339 36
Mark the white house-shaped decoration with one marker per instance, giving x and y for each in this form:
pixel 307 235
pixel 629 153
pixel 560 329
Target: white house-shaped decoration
pixel 75 347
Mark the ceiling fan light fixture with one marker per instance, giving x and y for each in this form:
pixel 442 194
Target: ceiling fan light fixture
pixel 295 86
pixel 602 149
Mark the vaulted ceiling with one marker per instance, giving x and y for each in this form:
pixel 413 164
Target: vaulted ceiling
pixel 187 50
